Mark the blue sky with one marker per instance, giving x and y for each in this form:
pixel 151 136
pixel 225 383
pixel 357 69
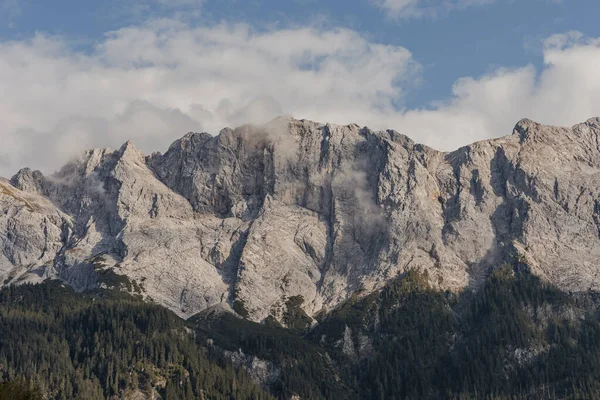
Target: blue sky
pixel 445 72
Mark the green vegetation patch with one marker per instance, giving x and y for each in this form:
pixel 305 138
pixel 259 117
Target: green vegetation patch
pixel 295 317
pixel 98 346
pixel 305 368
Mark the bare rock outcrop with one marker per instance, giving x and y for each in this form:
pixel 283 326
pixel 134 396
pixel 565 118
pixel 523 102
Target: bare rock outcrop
pixel 297 209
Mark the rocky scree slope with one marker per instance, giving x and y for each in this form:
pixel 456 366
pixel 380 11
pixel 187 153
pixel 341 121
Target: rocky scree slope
pixel 260 215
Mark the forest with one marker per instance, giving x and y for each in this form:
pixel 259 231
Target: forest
pixel 514 338
pixel 106 345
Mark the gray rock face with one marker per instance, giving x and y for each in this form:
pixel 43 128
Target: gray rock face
pixel 257 215
pixel 32 233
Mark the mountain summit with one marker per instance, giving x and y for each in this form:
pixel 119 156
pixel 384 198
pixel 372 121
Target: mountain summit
pixel 298 210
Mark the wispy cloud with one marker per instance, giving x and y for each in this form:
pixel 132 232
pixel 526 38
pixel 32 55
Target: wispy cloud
pixel 142 10
pixel 405 9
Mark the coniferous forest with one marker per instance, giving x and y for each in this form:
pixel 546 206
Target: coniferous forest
pixel 514 338
pixel 107 345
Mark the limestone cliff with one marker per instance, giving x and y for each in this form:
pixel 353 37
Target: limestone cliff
pixel 261 214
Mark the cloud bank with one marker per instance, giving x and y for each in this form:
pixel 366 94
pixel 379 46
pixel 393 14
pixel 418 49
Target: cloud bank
pixel 153 83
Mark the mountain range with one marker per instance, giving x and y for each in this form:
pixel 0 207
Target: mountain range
pixel 299 216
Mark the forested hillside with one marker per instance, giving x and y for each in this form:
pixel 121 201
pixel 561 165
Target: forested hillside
pixel 97 346
pixel 514 338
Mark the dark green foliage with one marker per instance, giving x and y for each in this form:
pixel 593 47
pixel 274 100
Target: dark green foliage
pixel 18 390
pixel 71 346
pixel 409 326
pixel 272 322
pixel 516 338
pixel 305 368
pixel 295 317
pixel 112 280
pixel 240 309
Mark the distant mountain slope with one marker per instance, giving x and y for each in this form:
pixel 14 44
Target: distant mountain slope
pixel 302 214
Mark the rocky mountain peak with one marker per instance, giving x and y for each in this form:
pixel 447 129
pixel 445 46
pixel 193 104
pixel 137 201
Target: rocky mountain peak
pixel 307 211
pixel 593 122
pixel 129 153
pixel 128 149
pixel 27 180
pixel 523 127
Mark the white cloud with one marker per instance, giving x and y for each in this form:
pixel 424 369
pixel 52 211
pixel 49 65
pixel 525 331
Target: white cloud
pixel 566 91
pixel 404 9
pixel 153 83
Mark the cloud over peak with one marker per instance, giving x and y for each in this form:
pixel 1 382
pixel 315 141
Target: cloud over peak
pixel 152 83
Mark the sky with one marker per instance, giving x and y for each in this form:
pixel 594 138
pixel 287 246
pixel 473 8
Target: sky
pixel 76 75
